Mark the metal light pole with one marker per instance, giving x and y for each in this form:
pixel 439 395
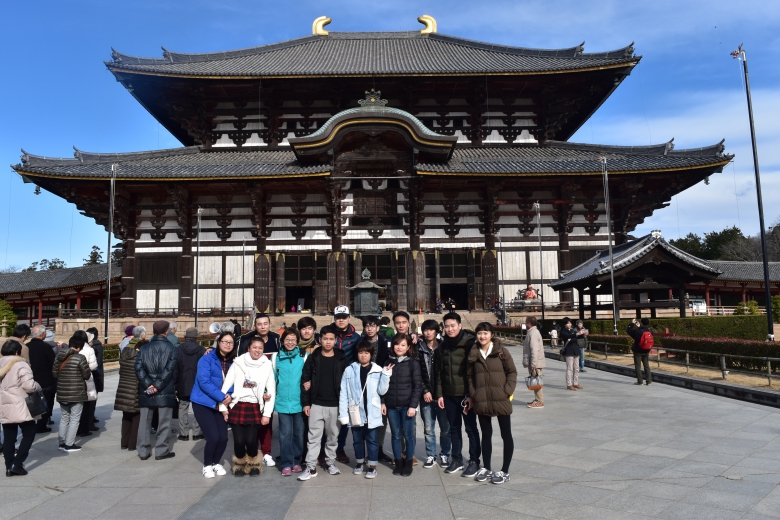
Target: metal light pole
pixel 603 161
pixel 243 276
pixel 108 250
pixel 541 260
pixel 197 268
pixel 503 295
pixel 740 54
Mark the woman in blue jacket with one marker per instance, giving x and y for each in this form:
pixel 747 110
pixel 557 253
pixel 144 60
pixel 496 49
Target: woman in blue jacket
pixel 205 398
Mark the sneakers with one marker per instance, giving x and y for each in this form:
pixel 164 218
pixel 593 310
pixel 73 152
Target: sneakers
pixel 286 472
pixel 308 473
pixel 536 404
pixel 208 472
pixel 71 448
pixel 269 460
pixel 371 473
pixel 429 462
pixel 61 447
pixel 333 470
pixel 218 470
pixel 358 469
pixel 341 456
pixel 471 470
pixel 499 477
pixel 454 466
pixel 483 475
pixel 444 461
pixel 297 469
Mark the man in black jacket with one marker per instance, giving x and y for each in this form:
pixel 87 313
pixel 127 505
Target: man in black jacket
pixel 320 388
pixel 184 379
pixel 41 360
pixel 97 375
pixel 154 367
pixel 641 356
pixel 263 329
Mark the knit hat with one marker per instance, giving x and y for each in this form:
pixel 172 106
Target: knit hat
pixel 129 330
pixel 191 333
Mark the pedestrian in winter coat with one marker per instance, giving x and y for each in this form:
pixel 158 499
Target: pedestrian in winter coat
pixel 21 334
pixel 41 360
pixel 184 379
pixel 206 396
pixel 533 357
pixel 172 328
pixel 16 383
pixel 400 401
pixel 641 357
pixel 72 372
pixel 492 380
pixel 154 367
pixel 251 385
pixel 362 386
pixel 126 400
pixel 450 373
pixel 288 367
pixel 571 353
pixel 429 409
pixel 128 336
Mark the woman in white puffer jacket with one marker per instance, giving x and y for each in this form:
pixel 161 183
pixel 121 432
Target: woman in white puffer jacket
pixel 251 379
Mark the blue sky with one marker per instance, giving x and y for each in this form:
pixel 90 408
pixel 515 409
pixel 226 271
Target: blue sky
pixel 57 93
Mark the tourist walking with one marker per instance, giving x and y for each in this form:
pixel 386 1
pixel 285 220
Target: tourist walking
pixel 429 409
pixel 253 385
pixel 450 374
pixel 16 383
pixel 126 400
pixel 492 380
pixel 400 401
pixel 71 370
pixel 643 344
pixel 571 353
pixel 288 368
pixel 321 385
pixel 41 361
pixel 360 406
pixel 184 379
pixel 154 367
pixel 533 357
pixel 206 395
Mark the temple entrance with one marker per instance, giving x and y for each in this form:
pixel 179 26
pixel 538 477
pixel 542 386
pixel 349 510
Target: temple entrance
pixel 458 292
pixel 296 295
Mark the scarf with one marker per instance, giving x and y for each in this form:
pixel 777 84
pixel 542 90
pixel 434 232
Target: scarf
pixel 306 345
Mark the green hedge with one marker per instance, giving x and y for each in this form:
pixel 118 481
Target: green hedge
pixel 738 347
pixel 111 352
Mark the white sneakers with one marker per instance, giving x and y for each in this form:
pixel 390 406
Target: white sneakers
pixel 269 460
pixel 213 471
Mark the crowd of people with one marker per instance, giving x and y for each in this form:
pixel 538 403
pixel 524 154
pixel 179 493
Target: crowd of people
pixel 321 386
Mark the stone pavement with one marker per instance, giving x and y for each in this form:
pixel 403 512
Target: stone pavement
pixel 612 450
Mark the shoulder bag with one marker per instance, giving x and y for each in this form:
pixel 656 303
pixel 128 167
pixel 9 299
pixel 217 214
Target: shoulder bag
pixel 36 404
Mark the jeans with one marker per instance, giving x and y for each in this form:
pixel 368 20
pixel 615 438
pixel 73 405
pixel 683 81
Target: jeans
pixel 582 359
pixel 401 425
pixel 430 413
pixel 69 422
pixel 639 360
pixel 361 434
pixel 215 430
pixel 245 440
pixel 290 438
pixel 9 440
pixel 486 425
pixel 456 419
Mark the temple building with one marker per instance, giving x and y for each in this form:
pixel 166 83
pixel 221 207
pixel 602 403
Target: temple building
pixel 415 155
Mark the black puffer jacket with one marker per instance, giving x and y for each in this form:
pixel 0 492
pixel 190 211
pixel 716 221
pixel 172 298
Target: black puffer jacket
pixel 311 372
pixel 155 365
pixel 450 364
pixel 186 368
pixel 41 360
pixel 97 375
pixel 72 379
pixel 127 390
pixel 405 384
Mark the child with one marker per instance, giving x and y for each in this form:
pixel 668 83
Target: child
pixel 400 401
pixel 363 384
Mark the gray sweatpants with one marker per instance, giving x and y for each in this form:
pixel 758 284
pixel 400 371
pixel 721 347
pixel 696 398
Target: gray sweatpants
pixel 184 420
pixel 69 423
pixel 322 419
pixel 162 445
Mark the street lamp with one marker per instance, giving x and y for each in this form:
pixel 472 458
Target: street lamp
pixel 740 54
pixel 541 260
pixel 603 161
pixel 108 250
pixel 197 268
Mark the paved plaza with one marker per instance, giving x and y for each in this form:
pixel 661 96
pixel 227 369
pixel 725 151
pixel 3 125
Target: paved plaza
pixel 612 450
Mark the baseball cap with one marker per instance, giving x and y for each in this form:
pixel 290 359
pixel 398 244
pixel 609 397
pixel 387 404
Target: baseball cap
pixel 341 310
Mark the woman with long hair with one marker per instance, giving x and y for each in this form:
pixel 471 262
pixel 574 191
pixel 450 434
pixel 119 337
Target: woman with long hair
pixel 206 396
pixel 492 378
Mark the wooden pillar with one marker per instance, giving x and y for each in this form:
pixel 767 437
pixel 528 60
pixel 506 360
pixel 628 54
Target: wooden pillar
pixel 415 260
pixel 471 278
pixel 78 300
pixel 262 278
pixel 564 264
pixel 185 282
pixel 490 288
pixel 581 303
pixel 40 309
pixel 593 302
pixel 707 296
pixel 280 290
pixel 744 293
pixel 357 263
pixel 681 293
pixel 437 278
pixel 127 298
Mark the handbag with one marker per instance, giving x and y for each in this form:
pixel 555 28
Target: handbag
pixel 354 409
pixel 36 404
pixel 534 381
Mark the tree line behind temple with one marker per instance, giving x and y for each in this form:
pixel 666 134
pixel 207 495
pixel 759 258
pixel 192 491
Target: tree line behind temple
pixel 731 244
pixel 95 257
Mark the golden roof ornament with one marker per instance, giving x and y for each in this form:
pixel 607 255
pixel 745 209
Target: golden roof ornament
pixel 318 27
pixel 429 22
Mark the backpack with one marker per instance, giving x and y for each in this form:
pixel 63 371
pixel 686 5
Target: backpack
pixel 646 341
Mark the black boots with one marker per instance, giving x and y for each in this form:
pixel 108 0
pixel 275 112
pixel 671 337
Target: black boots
pixel 399 466
pixel 407 470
